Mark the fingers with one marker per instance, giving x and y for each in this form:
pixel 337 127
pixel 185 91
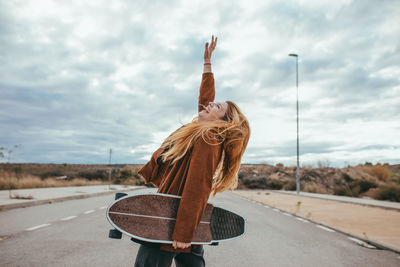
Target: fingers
pixel 210 48
pixel 213 43
pixel 177 244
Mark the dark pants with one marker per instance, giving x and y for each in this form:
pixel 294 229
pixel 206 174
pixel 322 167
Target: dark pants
pixel 152 256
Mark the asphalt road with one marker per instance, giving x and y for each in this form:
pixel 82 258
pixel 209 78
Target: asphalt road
pixel 75 233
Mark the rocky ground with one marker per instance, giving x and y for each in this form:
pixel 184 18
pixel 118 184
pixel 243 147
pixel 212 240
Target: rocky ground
pixel 374 181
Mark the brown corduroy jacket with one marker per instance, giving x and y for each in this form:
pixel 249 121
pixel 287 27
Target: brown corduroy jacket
pixel 190 177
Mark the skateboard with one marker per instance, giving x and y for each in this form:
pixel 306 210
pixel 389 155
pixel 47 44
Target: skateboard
pixel 151 217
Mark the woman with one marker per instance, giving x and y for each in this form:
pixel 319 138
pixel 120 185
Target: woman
pixel 200 158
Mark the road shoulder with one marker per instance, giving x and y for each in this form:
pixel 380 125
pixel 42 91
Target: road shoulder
pixel 374 225
pixel 56 194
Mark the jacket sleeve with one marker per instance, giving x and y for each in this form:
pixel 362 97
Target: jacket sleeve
pixel 207 90
pixel 203 163
pixel 150 170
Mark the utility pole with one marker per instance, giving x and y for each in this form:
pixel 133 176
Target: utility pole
pixel 297 112
pixel 109 170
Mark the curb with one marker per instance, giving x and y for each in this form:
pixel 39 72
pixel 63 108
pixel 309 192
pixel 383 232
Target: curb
pixel 374 243
pixel 338 200
pixel 60 199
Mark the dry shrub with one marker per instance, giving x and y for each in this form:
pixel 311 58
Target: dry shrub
pixel 361 186
pixel 388 192
pixel 8 180
pixel 314 188
pixel 342 191
pixel 27 182
pixel 290 185
pixel 383 173
pixel 132 181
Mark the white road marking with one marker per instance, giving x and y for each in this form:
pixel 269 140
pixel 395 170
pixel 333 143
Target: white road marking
pixel 301 219
pixel 287 214
pixel 68 218
pixel 325 228
pixel 276 210
pixel 102 208
pixel 89 211
pixel 360 242
pixel 266 207
pixel 37 227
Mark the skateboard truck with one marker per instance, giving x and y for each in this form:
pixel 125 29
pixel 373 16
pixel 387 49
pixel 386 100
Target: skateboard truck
pixel 114 233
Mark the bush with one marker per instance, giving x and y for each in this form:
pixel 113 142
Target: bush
pixel 125 174
pixel 355 190
pixel 93 175
pixel 275 185
pixel 347 177
pixel 342 191
pixel 383 173
pixel 51 174
pixel 18 169
pixel 140 182
pixel 290 186
pixel 255 183
pixel 364 185
pixel 388 192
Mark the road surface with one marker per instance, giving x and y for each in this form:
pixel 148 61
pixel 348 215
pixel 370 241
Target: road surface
pixel 75 233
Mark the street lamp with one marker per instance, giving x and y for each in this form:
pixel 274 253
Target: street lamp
pixel 297 110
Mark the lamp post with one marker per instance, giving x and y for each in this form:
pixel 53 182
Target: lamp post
pixel 109 171
pixel 297 111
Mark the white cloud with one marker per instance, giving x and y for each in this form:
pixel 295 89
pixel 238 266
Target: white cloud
pixel 125 74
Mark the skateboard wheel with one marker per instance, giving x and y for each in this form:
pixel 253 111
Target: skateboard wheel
pixel 114 233
pixel 119 195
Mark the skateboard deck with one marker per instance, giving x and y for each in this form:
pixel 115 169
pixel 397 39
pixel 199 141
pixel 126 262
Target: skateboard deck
pixel 151 217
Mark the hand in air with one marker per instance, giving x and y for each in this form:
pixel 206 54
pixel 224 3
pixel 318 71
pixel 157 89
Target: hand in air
pixel 177 244
pixel 209 49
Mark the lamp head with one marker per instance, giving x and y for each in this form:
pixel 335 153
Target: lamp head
pixel 293 55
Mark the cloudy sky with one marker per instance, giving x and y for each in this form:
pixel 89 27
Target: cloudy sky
pixel 77 79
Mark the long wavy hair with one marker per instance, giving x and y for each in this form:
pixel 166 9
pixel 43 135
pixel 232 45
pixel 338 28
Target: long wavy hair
pixel 232 131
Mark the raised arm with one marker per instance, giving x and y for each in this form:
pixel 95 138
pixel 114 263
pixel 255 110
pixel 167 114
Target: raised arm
pixel 207 90
pixel 207 87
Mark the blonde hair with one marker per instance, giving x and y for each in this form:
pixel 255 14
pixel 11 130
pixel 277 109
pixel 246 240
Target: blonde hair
pixel 232 131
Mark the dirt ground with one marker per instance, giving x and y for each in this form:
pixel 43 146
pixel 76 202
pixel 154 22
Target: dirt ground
pixel 372 223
